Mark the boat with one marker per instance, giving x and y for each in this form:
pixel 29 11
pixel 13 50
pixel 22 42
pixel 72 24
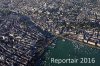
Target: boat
pixel 63 40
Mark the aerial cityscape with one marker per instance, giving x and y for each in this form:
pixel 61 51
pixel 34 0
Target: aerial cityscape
pixel 37 32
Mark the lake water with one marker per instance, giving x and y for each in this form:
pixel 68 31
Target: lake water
pixel 69 49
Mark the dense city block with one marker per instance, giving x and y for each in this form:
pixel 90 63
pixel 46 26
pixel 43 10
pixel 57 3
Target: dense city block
pixel 26 26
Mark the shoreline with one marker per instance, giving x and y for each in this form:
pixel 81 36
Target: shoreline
pixel 90 44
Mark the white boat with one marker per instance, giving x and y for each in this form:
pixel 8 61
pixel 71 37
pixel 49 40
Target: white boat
pixel 53 44
pixel 63 40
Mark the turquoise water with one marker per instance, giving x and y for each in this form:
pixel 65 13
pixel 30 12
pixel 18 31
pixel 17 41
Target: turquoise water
pixel 69 49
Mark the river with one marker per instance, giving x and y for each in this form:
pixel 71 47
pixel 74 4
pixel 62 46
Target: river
pixel 70 49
